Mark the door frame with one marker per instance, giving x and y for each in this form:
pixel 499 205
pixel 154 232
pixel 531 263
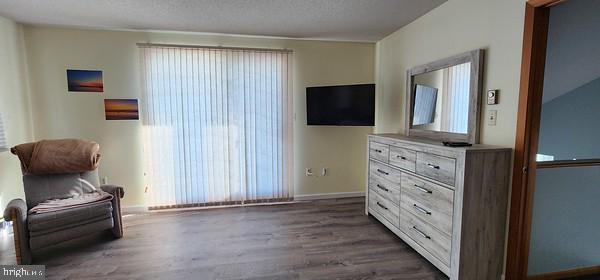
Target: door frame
pixel 535 37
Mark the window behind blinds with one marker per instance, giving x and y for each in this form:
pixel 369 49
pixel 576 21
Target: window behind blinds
pixel 217 125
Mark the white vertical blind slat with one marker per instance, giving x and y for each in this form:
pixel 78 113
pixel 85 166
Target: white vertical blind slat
pixel 458 97
pixel 3 142
pixel 217 125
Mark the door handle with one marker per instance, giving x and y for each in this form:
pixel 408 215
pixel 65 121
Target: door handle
pixel 421 233
pixel 433 166
pixel 421 209
pixel 382 172
pixel 381 205
pixel 383 188
pixel 422 189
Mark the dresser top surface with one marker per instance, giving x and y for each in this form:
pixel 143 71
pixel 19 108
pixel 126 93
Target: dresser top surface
pixel 437 144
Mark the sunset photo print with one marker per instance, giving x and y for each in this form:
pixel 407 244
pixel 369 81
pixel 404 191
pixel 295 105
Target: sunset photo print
pixel 121 109
pixel 85 81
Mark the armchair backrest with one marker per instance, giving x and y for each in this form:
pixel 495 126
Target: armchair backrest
pixel 39 188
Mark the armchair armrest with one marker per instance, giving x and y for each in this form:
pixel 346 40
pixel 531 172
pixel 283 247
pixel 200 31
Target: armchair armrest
pixel 20 207
pixel 114 190
pixel 16 211
pixel 117 193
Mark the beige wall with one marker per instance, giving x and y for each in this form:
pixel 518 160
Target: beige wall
pixel 14 107
pixel 58 113
pixel 454 27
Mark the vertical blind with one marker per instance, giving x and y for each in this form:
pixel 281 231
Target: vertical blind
pixel 217 125
pixel 456 105
pixel 3 143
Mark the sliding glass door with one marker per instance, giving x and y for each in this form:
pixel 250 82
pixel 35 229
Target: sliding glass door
pixel 217 125
pixel 566 200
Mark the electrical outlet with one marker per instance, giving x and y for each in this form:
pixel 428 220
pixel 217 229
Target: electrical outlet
pixel 492 116
pixel 309 172
pixel 324 171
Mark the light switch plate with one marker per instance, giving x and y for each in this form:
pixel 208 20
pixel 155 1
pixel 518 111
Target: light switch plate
pixel 492 116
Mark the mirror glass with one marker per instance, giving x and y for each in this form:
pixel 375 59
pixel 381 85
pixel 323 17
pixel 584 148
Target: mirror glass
pixel 441 99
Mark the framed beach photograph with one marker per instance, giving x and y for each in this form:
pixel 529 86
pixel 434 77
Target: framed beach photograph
pixel 121 109
pixel 85 81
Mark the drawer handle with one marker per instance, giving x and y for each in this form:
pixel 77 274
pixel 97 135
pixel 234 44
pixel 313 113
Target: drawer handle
pixel 379 151
pixel 433 166
pixel 421 209
pixel 422 189
pixel 383 188
pixel 381 205
pixel 401 157
pixel 421 233
pixel 382 172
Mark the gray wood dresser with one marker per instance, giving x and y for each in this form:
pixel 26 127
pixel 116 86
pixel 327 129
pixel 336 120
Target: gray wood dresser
pixel 449 204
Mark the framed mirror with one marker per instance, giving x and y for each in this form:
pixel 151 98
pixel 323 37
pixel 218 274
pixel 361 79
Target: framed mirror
pixel 443 98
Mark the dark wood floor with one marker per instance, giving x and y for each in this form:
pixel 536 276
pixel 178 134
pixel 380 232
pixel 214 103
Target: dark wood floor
pixel 326 239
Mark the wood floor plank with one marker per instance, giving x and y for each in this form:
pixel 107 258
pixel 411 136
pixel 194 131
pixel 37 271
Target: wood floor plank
pixel 324 239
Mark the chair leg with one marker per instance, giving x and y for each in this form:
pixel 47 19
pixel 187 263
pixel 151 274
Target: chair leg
pixel 17 237
pixel 117 229
pixel 21 257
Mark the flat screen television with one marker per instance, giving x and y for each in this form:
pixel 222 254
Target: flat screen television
pixel 348 105
pixel 425 102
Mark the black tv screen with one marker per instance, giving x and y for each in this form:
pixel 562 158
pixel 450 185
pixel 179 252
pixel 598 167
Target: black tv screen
pixel 351 105
pixel 425 102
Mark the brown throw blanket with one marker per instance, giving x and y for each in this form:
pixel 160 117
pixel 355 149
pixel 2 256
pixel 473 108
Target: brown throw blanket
pixel 58 156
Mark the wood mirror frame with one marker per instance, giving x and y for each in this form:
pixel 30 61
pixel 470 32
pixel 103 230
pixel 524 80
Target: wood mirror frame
pixel 474 119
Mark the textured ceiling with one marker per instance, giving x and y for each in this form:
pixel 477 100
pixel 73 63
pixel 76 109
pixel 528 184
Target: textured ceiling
pixel 353 20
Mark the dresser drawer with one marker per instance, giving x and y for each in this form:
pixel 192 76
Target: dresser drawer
pixel 403 158
pixel 431 202
pixel 434 241
pixel 436 167
pixel 379 151
pixel 385 208
pixel 385 188
pixel 383 171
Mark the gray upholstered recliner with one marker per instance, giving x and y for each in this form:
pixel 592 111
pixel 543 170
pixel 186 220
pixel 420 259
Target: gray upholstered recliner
pixel 36 231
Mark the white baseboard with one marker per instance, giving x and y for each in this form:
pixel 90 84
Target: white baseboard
pixel 134 209
pixel 328 195
pixel 301 197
